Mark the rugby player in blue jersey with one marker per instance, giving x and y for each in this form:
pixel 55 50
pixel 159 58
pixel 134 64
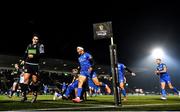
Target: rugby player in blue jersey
pixel 86 71
pixel 161 70
pixel 121 78
pixel 72 86
pixel 64 86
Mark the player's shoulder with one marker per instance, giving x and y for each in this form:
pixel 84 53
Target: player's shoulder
pixel 163 64
pixel 40 45
pixel 88 54
pixel 29 45
pixel 121 65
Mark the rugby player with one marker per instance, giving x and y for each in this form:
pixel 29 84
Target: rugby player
pixel 86 70
pixel 121 78
pixel 161 70
pixel 16 84
pixel 32 56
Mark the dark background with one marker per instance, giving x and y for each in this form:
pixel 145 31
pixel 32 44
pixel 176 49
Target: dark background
pixel 138 26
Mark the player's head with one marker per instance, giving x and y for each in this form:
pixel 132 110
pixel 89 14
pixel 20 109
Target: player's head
pixel 75 71
pixel 16 66
pixel 158 61
pixel 80 50
pixel 35 38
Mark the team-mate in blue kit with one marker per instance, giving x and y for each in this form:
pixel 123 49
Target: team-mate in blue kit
pixel 161 70
pixel 64 87
pixel 71 87
pixel 121 77
pixel 91 86
pixel 86 71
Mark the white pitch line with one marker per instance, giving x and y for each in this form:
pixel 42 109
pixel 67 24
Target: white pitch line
pixel 144 105
pixel 105 106
pixel 74 103
pixel 76 108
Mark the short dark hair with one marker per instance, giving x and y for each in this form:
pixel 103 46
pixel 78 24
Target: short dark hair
pixel 36 35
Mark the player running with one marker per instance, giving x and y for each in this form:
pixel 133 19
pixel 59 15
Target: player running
pixel 86 70
pixel 121 78
pixel 33 53
pixel 161 70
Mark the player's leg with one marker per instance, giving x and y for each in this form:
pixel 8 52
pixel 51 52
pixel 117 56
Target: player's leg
pixel 24 86
pixel 173 88
pixel 121 85
pixel 168 81
pixel 76 91
pixel 17 89
pixel 91 89
pixel 34 87
pixel 35 81
pixel 95 90
pixel 99 91
pixel 57 94
pixel 69 89
pixel 97 83
pixel 13 89
pixel 163 91
pixel 81 80
pixel 10 93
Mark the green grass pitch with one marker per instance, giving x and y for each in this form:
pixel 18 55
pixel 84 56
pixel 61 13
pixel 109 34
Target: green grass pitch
pixel 96 103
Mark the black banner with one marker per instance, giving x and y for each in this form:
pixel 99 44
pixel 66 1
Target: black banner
pixel 102 30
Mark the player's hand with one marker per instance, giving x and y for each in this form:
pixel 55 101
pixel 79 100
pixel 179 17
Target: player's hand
pixel 22 74
pixel 22 62
pixel 90 69
pixel 70 84
pixel 78 67
pixel 110 78
pixel 133 74
pixel 30 56
pixel 157 72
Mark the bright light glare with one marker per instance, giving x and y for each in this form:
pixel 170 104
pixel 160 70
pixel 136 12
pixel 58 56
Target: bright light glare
pixel 158 53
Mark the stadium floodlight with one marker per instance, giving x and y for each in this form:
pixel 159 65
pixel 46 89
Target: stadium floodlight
pixel 158 53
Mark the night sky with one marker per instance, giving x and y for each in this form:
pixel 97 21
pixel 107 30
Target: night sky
pixel 137 26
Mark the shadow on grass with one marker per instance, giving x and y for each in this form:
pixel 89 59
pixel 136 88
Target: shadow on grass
pixel 41 104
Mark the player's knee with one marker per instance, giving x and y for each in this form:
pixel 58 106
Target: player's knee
pixel 122 87
pixel 80 83
pixel 26 81
pixel 171 87
pixel 162 87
